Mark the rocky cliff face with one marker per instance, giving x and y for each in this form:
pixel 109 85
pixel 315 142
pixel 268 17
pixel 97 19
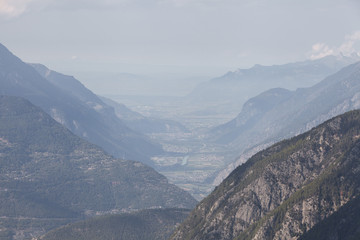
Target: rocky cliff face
pixel 283 191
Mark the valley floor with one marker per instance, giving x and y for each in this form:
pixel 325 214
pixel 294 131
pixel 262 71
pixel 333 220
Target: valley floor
pixel 191 161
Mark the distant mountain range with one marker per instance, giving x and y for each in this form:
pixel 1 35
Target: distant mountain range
pixel 278 113
pixel 152 224
pixel 71 104
pixel 229 92
pixel 299 188
pixel 50 177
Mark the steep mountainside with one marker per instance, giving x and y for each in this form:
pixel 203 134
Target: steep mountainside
pixel 156 224
pixel 48 173
pixel 143 124
pixel 74 106
pixel 285 190
pixel 278 114
pixel 229 92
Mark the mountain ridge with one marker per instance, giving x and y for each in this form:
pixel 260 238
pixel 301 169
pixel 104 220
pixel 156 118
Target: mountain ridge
pixel 77 108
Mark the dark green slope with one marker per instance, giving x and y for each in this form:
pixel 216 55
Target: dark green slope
pixel 48 172
pixel 342 225
pixel 285 190
pixel 157 224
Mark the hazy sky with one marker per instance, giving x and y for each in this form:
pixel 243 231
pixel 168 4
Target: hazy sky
pixel 203 37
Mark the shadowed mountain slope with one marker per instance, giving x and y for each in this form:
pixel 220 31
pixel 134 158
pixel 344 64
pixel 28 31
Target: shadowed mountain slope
pixel 48 173
pixel 342 225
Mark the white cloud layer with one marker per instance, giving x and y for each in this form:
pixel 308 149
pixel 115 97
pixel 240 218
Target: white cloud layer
pixel 12 8
pixel 347 48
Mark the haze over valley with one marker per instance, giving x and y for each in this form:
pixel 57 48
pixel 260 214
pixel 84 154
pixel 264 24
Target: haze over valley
pixel 179 119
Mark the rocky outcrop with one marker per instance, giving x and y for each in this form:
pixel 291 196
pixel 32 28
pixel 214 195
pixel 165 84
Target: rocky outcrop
pixel 283 191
